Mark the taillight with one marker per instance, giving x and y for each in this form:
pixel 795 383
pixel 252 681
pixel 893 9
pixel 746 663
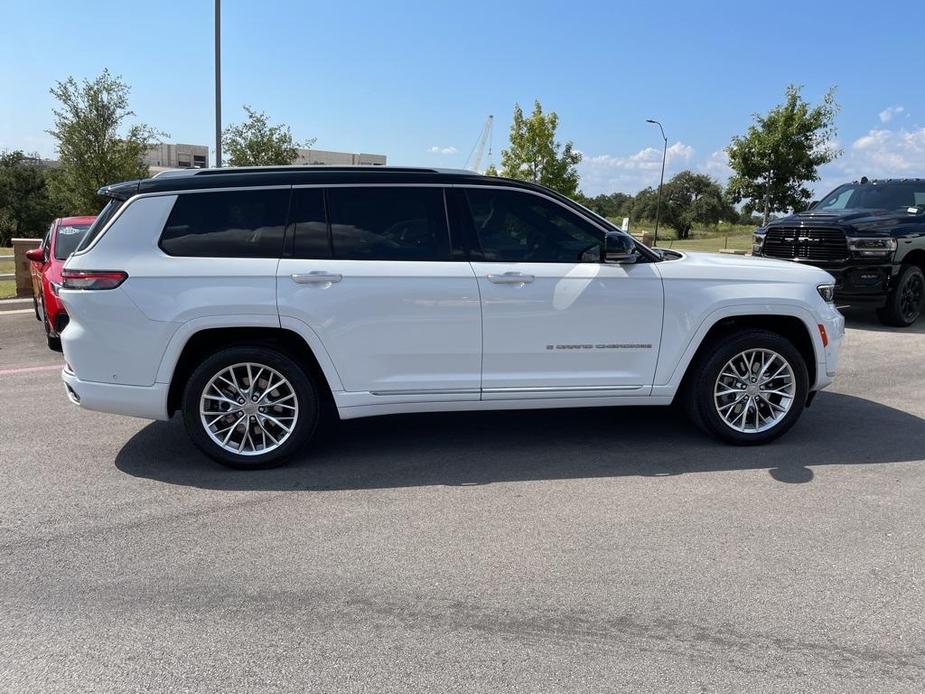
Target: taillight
pixel 92 279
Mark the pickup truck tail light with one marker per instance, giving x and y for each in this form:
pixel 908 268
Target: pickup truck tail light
pixel 92 279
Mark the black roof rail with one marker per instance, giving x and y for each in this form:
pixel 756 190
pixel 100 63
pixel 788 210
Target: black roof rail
pixel 319 168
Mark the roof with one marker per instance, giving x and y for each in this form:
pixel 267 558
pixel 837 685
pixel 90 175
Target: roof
pixel 256 176
pixel 235 177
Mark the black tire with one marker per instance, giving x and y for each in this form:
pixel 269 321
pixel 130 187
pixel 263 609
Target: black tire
pixel 906 299
pixel 54 341
pixel 302 384
pixel 699 393
pixel 35 307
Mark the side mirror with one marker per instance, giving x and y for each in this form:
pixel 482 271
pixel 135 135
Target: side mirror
pixel 619 248
pixel 36 255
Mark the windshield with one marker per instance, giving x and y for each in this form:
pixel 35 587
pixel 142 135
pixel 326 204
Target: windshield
pixel 875 196
pixel 69 237
pixel 102 220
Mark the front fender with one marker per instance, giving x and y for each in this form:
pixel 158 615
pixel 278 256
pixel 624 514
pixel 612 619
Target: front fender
pixel 674 359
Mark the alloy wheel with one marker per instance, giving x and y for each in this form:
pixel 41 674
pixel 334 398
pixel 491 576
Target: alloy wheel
pixel 910 301
pixel 249 409
pixel 754 390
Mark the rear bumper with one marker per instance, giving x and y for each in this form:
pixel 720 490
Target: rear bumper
pixel 147 402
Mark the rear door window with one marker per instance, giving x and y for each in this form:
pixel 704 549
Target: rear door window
pixel 388 223
pixel 309 224
pixel 227 224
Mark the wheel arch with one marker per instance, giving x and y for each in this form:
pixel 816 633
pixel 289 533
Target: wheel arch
pixel 206 341
pixel 915 257
pixel 788 326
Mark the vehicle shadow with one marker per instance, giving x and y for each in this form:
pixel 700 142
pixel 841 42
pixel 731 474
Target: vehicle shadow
pixel 866 319
pixel 487 447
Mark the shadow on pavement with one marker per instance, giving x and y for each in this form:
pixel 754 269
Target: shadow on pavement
pixel 481 448
pixel 866 319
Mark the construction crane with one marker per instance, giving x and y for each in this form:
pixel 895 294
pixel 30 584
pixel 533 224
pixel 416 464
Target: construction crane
pixel 474 162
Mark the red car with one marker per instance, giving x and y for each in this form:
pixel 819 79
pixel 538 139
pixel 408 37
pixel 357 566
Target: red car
pixel 63 237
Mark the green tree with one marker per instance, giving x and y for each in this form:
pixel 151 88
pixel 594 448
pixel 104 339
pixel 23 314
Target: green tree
pixel 491 170
pixel 535 155
pixel 688 198
pixel 613 205
pixel 94 145
pixel 26 208
pixel 257 143
pixel 780 152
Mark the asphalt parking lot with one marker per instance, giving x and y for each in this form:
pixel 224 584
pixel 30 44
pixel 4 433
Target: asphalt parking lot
pixel 581 550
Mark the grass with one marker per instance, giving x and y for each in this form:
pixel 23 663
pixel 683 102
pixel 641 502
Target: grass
pixel 711 239
pixel 7 287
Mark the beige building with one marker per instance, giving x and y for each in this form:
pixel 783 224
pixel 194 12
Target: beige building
pixel 323 157
pixel 165 156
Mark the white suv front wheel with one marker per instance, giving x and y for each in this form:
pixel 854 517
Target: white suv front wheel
pixel 250 407
pixel 749 388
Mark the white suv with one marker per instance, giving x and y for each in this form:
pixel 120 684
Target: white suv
pixel 250 298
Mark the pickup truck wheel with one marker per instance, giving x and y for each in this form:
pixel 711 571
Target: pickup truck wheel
pixel 250 407
pixel 749 389
pixel 904 304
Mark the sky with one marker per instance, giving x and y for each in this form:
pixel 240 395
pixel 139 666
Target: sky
pixel 417 80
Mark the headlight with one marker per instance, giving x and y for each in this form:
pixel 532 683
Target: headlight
pixel 757 243
pixel 872 248
pixel 827 292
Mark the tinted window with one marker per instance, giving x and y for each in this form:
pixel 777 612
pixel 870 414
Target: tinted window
pixel 102 219
pixel 233 224
pixel 875 196
pixel 389 223
pixel 311 229
pixel 519 227
pixel 69 237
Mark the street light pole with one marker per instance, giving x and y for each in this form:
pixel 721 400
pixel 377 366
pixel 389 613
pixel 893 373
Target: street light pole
pixel 661 180
pixel 218 83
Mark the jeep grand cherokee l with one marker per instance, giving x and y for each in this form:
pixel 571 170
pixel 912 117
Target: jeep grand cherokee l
pixel 870 235
pixel 248 298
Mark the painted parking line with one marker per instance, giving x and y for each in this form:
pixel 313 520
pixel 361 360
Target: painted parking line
pixel 30 369
pixel 16 311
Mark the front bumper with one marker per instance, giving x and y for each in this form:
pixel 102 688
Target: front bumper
pixel 147 402
pixel 833 322
pixel 865 284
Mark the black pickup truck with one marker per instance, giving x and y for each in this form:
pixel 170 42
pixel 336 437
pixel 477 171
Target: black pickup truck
pixel 870 235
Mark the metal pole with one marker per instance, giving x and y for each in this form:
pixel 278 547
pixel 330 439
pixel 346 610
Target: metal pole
pixel 218 83
pixel 661 180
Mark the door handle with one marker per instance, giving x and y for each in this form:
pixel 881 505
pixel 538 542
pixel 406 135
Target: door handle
pixel 511 278
pixel 317 277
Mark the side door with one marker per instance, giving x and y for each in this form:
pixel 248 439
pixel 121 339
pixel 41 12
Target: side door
pixel 556 321
pixel 372 272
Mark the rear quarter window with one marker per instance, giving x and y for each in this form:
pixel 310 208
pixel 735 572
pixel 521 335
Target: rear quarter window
pixel 227 224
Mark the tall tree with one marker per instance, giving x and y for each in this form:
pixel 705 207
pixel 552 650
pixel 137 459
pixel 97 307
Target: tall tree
pixel 535 155
pixel 688 198
pixel 781 152
pixel 26 208
pixel 94 145
pixel 257 143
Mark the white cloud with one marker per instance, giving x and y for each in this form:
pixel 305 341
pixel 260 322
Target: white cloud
pixel 887 114
pixel 607 173
pixel 879 153
pixel 443 150
pixel 717 166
